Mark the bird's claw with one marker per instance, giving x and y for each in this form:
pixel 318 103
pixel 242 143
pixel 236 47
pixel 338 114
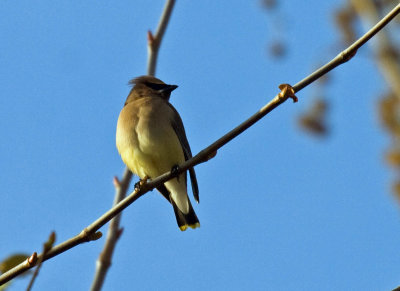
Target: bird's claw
pixel 141 183
pixel 174 171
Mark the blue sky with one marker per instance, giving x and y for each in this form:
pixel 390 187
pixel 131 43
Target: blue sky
pixel 279 210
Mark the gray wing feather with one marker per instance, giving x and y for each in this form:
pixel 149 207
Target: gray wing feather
pixel 177 125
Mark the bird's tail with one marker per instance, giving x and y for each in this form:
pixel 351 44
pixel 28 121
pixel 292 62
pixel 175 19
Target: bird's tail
pixel 185 220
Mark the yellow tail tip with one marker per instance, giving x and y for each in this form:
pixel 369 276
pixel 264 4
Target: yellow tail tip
pixel 184 227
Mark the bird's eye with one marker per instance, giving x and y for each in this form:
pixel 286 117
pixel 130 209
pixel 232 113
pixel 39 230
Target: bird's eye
pixel 157 87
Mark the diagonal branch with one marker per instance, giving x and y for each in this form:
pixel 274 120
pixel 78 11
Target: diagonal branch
pixel 348 53
pixel 386 61
pixel 103 262
pixel 90 232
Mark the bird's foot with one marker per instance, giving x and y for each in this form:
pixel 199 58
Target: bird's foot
pixel 174 171
pixel 141 183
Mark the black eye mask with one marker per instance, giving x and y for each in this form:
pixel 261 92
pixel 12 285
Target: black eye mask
pixel 157 87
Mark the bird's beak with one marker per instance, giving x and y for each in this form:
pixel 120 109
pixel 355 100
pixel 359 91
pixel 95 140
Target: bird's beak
pixel 168 89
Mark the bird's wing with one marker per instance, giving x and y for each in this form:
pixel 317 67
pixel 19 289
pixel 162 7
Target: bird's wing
pixel 177 125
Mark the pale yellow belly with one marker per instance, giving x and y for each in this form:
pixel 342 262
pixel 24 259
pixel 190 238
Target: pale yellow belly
pixel 150 147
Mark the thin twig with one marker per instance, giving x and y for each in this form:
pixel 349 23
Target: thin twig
pixel 46 247
pixel 58 249
pixel 103 262
pixel 154 41
pixel 348 53
pixel 90 232
pixel 387 62
pixel 114 232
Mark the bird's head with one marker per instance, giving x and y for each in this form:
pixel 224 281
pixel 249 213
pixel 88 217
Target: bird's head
pixel 148 86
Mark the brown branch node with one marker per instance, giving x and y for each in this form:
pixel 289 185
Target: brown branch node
pixel 119 233
pixel 150 38
pixel 32 259
pixel 116 182
pixel 95 236
pixel 287 91
pixel 50 242
pixel 348 55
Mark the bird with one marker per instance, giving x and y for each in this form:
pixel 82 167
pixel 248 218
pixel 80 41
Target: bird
pixel 151 141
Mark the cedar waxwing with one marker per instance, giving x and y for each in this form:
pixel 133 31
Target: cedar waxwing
pixel 151 140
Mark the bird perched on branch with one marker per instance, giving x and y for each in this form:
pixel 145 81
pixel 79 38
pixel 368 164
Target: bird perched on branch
pixel 151 140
